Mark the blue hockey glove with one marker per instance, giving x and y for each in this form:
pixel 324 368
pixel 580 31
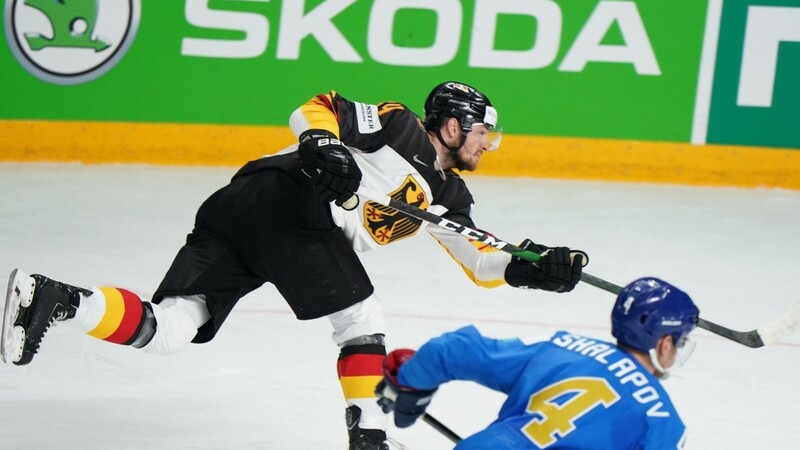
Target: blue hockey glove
pixel 338 174
pixel 406 402
pixel 558 270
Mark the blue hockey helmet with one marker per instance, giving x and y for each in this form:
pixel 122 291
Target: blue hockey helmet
pixel 649 308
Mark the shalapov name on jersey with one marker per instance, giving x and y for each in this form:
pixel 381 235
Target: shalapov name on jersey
pixel 625 369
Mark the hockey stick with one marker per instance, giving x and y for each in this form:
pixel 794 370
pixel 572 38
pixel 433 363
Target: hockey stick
pixel 778 328
pixel 441 428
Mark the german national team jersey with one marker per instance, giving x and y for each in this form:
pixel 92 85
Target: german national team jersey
pixel 568 392
pixel 397 159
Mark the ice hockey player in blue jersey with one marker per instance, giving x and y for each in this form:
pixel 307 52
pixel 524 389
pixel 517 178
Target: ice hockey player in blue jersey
pixel 566 392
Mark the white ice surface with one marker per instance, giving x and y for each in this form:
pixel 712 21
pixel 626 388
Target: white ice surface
pixel 268 381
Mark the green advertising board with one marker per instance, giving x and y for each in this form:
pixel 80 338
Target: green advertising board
pixel 568 68
pixel 756 97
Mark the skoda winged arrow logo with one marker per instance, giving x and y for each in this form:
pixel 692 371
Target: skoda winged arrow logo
pixel 70 41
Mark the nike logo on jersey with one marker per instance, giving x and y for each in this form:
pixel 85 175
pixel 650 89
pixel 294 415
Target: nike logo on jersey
pixel 418 161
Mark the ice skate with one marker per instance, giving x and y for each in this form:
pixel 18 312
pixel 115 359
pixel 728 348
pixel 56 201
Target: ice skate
pixel 363 439
pixel 33 303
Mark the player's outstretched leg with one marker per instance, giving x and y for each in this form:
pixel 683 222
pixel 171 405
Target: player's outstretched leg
pixel 33 303
pixel 359 333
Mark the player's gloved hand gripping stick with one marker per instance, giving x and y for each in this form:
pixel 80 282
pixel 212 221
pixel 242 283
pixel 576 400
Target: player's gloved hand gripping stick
pixel 338 175
pixel 407 403
pixel 767 334
pixel 558 270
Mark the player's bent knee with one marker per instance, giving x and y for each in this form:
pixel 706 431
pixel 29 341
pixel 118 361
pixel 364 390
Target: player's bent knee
pixel 177 321
pixel 365 318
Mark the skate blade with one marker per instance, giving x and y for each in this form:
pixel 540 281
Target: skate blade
pixel 18 295
pixel 14 346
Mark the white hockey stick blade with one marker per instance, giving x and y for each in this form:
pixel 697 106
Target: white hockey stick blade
pixel 782 326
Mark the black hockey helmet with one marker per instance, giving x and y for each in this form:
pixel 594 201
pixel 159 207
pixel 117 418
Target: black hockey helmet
pixel 465 103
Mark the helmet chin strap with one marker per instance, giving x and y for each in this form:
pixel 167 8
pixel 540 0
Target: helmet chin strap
pixel 657 365
pixel 453 149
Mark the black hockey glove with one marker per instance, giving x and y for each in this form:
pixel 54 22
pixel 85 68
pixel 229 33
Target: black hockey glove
pixel 338 174
pixel 406 402
pixel 557 270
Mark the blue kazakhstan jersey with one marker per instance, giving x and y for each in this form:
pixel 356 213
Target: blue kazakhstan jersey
pixel 568 392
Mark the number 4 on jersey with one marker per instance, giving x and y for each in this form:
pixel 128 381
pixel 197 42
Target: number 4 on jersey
pixel 562 403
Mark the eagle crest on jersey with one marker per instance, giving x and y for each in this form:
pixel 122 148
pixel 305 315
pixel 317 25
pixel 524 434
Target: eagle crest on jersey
pixel 386 224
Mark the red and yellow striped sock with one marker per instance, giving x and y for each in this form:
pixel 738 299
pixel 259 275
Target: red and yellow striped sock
pixel 360 368
pixel 122 318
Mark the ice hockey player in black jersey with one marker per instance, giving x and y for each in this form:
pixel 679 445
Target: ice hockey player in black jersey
pixel 292 219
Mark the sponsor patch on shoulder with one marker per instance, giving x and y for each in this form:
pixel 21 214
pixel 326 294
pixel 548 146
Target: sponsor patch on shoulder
pixel 367 118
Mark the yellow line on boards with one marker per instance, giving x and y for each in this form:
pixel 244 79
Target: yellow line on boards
pixel 644 161
pixel 519 156
pixel 133 142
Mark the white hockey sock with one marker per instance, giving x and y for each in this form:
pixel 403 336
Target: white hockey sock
pixel 372 417
pixel 178 319
pixel 116 315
